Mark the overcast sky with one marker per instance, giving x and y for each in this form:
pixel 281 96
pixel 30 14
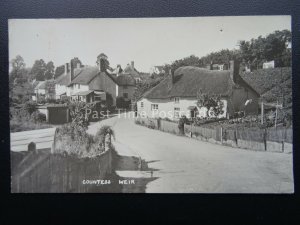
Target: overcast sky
pixel 146 41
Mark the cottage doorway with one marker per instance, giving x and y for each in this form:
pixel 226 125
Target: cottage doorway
pixel 193 111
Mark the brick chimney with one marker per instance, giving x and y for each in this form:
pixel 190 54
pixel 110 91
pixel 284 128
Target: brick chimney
pixel 71 71
pixel 172 78
pixel 101 65
pixel 66 68
pixel 132 64
pixel 234 68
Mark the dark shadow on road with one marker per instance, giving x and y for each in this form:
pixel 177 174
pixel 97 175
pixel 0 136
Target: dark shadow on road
pixel 128 184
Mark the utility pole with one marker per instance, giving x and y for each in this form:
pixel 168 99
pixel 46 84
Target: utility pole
pixel 262 112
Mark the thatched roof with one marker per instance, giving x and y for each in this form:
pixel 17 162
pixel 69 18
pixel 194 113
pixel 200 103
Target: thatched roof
pixel 85 75
pixel 125 80
pixel 189 80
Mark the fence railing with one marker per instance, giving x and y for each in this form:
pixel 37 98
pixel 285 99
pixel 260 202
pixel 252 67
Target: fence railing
pixel 58 173
pixel 278 140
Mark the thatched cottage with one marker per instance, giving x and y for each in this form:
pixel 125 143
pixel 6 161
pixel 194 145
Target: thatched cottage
pixel 177 94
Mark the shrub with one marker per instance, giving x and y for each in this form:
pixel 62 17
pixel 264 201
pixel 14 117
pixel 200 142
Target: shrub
pixel 74 140
pixel 30 107
pixel 38 117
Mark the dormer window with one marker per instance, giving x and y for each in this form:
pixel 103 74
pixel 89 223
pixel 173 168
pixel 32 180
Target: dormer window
pixel 176 100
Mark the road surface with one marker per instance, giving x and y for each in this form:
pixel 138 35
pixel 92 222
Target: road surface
pixel 42 137
pixel 184 165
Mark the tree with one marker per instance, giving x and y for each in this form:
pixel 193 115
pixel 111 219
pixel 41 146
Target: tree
pixel 104 58
pixel 38 70
pixel 59 71
pixel 49 73
pixel 18 65
pixel 211 102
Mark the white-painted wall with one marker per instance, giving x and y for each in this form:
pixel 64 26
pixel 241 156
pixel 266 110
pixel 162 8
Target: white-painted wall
pixel 166 108
pixel 60 89
pixel 74 88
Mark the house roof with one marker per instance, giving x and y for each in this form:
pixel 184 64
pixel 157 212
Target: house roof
pixel 63 79
pixel 189 80
pixel 85 75
pixel 84 93
pixel 44 84
pixel 131 71
pixel 125 80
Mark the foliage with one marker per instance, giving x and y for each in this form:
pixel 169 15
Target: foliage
pixel 79 114
pixel 74 140
pixel 251 53
pixel 59 71
pixel 18 65
pixel 49 73
pixel 30 107
pixel 212 102
pixel 42 70
pixel 21 120
pixel 38 117
pixel 272 47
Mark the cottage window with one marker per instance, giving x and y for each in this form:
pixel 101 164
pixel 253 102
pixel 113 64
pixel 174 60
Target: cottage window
pixel 154 107
pixel 97 98
pixel 176 112
pixel 142 104
pixel 176 100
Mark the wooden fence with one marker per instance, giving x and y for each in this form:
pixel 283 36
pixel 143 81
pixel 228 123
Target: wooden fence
pixel 277 140
pixel 43 172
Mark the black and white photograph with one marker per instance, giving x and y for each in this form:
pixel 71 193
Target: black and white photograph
pixel 151 105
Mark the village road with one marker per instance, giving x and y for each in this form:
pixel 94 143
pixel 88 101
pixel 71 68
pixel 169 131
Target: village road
pixel 184 165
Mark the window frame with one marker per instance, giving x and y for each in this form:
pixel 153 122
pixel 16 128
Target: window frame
pixel 176 100
pixel 154 107
pixel 176 112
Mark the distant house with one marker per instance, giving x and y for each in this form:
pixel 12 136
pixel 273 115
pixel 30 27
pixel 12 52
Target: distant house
pixel 177 94
pixel 94 83
pixel 43 90
pixel 268 65
pixel 219 67
pixel 157 70
pixel 130 70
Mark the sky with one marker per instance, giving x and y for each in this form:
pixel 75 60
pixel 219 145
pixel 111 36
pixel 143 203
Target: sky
pixel 146 41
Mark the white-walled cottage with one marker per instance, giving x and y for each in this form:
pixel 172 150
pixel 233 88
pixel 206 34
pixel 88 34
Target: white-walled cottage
pixel 94 83
pixel 177 94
